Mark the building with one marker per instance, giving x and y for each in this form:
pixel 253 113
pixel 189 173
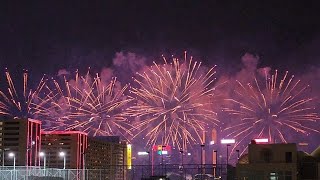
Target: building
pixel 269 161
pixel 72 143
pixel 309 165
pixel 22 138
pixel 107 157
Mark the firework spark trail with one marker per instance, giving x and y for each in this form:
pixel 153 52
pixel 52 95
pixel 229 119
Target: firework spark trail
pixel 270 109
pixel 86 104
pixel 18 104
pixel 173 103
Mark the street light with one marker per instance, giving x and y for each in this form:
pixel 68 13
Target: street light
pixel 181 152
pixel 238 154
pixel 145 153
pixel 214 157
pixel 216 167
pixel 228 154
pixel 201 155
pixel 162 147
pixel 220 157
pixel 149 160
pixel 11 154
pixel 42 154
pixel 63 154
pixel 228 142
pixel 181 167
pixel 3 154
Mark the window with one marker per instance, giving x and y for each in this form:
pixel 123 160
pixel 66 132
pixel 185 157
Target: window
pixel 11 122
pixel 11 128
pixel 11 133
pixel 266 155
pixel 10 144
pixel 288 157
pixel 11 139
pixel 64 135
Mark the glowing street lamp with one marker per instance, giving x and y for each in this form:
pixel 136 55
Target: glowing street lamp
pixel 63 154
pixel 42 154
pixel 11 154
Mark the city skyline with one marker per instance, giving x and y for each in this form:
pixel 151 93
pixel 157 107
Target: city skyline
pixel 50 46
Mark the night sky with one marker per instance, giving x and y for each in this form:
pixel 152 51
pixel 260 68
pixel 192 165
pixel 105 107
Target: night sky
pixel 45 37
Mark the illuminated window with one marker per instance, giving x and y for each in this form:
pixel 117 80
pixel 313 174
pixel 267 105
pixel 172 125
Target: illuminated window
pixel 273 176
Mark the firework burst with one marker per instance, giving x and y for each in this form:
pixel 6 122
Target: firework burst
pixel 87 104
pixel 17 100
pixel 173 103
pixel 271 108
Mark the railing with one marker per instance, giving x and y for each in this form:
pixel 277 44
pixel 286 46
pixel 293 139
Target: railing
pixel 137 172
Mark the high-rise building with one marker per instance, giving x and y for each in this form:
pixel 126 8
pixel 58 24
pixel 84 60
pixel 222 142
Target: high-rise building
pixel 22 138
pixel 71 144
pixel 108 155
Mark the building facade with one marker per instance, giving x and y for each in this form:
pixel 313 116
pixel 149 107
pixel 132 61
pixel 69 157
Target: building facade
pixel 21 138
pixel 106 158
pixel 269 161
pixel 72 145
